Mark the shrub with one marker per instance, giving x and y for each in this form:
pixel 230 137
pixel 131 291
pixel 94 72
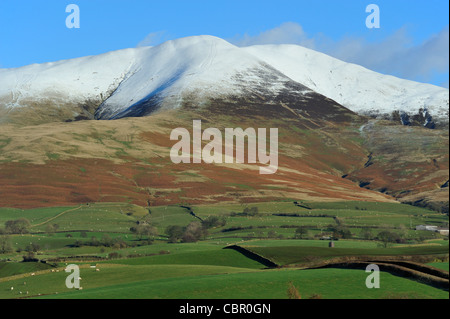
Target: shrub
pixel 292 292
pixel 113 255
pixel 214 221
pixel 5 245
pixel 30 257
pixel 33 247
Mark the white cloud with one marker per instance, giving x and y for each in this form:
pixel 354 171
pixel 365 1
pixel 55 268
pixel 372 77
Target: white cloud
pixel 287 33
pixel 153 39
pixel 394 55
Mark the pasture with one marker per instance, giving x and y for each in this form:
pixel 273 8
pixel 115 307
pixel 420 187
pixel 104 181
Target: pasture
pixel 119 263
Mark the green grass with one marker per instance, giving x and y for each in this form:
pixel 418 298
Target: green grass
pixel 12 268
pixel 271 284
pixel 213 257
pixel 286 255
pixel 297 243
pixel 35 216
pixel 206 270
pixel 166 216
pixel 440 265
pixel 109 274
pixel 371 206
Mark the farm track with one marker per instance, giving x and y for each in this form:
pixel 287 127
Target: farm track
pixel 59 215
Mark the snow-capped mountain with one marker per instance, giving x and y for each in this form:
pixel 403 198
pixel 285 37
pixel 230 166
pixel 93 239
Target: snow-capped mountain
pixel 137 82
pixel 74 80
pixel 355 87
pixel 199 67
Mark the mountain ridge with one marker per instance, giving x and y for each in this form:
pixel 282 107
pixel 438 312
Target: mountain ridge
pixel 140 81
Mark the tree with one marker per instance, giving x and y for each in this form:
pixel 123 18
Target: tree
pixel 272 234
pixel 251 211
pixel 214 221
pixel 78 243
pixel 301 232
pixel 30 257
pixel 175 233
pixel 33 247
pixel 18 226
pixel 387 238
pixel 5 244
pixel 194 232
pixel 119 243
pixel 144 231
pixel 366 234
pixel 94 241
pixel 403 231
pixel 51 228
pixel 106 240
pixel 342 232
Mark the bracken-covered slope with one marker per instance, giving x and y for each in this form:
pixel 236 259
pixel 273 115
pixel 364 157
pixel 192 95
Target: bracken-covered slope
pixel 128 160
pixel 328 149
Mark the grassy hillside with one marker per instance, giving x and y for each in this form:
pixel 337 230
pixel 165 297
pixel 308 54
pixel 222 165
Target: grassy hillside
pixel 99 236
pixel 176 282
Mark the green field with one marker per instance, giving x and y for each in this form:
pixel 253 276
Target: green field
pixel 116 263
pixel 205 281
pixel 287 255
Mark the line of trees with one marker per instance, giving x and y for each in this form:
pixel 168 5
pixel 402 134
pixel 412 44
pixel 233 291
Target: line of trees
pixel 105 241
pixel 194 231
pixel 248 211
pixel 144 230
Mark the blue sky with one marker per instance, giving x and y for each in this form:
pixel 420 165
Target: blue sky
pixel 411 43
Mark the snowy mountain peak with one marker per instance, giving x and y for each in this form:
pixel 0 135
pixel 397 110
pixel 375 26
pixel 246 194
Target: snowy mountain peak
pixel 137 82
